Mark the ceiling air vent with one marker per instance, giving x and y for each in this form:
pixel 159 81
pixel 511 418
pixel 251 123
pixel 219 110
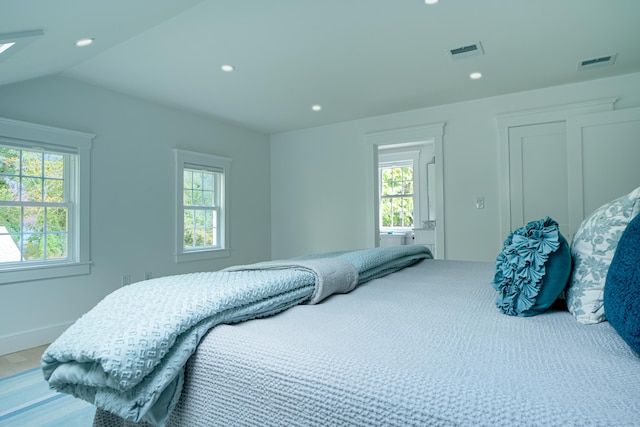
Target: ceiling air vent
pixel 601 61
pixel 466 51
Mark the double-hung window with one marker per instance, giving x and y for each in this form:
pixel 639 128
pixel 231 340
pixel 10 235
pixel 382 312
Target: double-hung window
pixel 396 196
pixel 44 202
pixel 202 191
pixel 398 189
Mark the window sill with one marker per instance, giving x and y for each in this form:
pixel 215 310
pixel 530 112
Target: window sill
pixel 202 255
pixel 43 272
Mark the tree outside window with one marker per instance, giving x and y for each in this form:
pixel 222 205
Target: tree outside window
pixel 34 208
pixel 200 201
pixel 396 197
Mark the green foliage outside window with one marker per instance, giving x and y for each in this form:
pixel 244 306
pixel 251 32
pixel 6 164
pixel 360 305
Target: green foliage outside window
pixel 33 212
pixel 200 211
pixel 396 196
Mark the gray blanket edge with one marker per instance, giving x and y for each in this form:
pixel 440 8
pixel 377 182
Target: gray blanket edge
pixel 333 275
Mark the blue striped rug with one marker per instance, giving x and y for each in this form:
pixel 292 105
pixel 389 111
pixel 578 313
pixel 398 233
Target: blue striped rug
pixel 27 401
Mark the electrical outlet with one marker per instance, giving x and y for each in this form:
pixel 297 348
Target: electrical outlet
pixel 126 280
pixel 479 202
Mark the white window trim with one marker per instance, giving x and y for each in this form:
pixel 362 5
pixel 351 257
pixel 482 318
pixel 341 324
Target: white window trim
pixel 184 158
pixel 35 136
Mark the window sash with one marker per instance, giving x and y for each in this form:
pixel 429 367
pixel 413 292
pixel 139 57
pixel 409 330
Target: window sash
pixel 206 196
pixel 397 196
pixel 207 199
pixel 200 198
pixel 25 235
pixel 207 230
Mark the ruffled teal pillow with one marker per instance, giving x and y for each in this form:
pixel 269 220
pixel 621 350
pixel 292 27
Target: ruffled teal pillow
pixel 533 269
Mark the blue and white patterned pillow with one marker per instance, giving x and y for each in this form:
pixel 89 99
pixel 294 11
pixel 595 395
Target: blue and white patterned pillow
pixel 592 250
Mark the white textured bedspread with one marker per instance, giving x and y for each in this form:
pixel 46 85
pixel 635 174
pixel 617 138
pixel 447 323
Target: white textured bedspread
pixel 423 346
pixel 127 355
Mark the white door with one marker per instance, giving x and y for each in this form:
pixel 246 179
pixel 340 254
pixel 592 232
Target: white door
pixel 538 181
pixel 603 159
pixel 535 159
pixel 568 169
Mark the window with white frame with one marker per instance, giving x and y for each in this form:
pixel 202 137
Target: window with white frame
pixel 396 196
pixel 202 191
pixel 398 190
pixel 44 202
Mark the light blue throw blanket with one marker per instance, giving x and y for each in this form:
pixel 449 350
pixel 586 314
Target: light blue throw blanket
pixel 127 355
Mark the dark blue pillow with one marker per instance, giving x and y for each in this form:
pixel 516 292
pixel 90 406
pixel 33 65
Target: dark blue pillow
pixel 622 288
pixel 532 269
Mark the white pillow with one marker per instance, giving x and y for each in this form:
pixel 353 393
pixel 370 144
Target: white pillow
pixel 592 250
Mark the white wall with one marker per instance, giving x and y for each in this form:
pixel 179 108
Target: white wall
pixel 317 199
pixel 132 197
pixel 320 191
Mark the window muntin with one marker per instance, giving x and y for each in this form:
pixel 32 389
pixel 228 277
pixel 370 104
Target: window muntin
pixel 35 206
pixel 396 195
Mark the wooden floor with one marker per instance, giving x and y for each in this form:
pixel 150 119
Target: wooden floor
pixel 21 361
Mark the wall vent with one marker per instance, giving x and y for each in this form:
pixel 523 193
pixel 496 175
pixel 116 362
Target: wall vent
pixel 600 61
pixel 466 51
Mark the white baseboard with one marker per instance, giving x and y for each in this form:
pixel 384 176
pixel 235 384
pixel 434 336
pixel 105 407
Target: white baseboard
pixel 33 338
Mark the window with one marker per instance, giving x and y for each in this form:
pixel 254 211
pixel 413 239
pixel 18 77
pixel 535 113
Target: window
pixel 423 145
pixel 399 189
pixel 201 205
pixel 396 195
pixel 202 190
pixel 44 202
pixel 34 205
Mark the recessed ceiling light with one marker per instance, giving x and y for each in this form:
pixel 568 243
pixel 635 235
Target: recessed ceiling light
pixel 227 68
pixel 316 107
pixel 5 46
pixel 475 76
pixel 430 1
pixel 84 42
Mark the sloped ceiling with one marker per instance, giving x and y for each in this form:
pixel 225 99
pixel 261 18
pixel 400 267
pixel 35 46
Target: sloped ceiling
pixel 356 58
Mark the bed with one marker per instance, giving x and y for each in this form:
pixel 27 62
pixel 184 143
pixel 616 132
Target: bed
pixel 427 342
pixel 423 346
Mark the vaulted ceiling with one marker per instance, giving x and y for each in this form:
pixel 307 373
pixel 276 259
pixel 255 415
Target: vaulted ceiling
pixel 355 58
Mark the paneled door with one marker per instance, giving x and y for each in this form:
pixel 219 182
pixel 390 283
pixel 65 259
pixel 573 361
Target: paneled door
pixel 538 174
pixel 538 165
pixel 603 154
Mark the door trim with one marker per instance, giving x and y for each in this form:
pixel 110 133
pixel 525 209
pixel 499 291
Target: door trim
pixel 433 132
